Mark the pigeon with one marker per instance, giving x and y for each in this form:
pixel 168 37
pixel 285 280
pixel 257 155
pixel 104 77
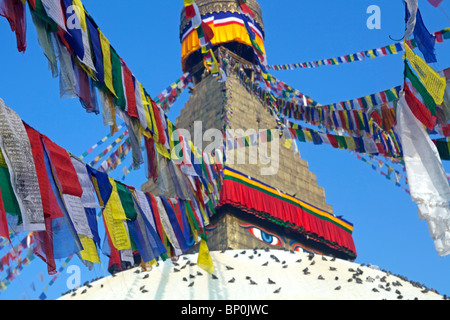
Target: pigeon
pixel 299 260
pixel 333 269
pixel 324 259
pixel 144 291
pixel 265 264
pixel 229 268
pixel 277 291
pixel 250 257
pixel 191 284
pixel 375 290
pixel 146 276
pixel 141 288
pixel 231 280
pixel 236 255
pixel 320 277
pixel 271 281
pixel 84 291
pixel 337 288
pixel 285 266
pixel 243 252
pixel 176 270
pixel 248 277
pixel 252 282
pixel 214 276
pixel 199 273
pixel 185 279
pixel 312 263
pixel 191 276
pixel 310 256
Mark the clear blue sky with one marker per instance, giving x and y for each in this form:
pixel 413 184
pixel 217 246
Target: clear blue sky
pixel 387 231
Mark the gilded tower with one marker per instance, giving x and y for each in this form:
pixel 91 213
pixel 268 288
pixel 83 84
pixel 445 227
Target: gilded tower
pixel 269 172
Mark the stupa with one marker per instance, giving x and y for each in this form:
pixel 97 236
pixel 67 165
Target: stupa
pixel 269 196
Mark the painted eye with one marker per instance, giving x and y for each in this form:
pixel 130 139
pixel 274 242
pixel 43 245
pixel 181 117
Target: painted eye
pixel 297 248
pixel 264 236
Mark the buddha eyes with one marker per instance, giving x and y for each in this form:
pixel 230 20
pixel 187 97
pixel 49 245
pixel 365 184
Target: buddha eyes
pixel 264 236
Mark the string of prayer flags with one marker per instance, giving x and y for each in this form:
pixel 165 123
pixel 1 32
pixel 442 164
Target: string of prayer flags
pixel 169 95
pixel 392 49
pixel 99 143
pixel 109 148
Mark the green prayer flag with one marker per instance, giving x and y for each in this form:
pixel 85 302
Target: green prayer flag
pixel 442 147
pixel 415 81
pixel 117 79
pixel 126 198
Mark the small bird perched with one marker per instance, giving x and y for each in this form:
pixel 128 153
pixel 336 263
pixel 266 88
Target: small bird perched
pixel 231 280
pixel 229 268
pixel 278 290
pixel 270 281
pixel 191 284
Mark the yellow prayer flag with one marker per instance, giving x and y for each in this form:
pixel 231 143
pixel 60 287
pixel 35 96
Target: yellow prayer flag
pixel 308 135
pixel 89 252
pixel 350 143
pixel 433 82
pixel 204 260
pixel 393 48
pixel 288 143
pixel 107 63
pixel 81 14
pixel 114 217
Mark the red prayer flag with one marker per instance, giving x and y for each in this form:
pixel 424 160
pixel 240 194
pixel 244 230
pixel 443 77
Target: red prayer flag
pixel 14 12
pixel 130 91
pixel 4 232
pixel 63 169
pixel 190 11
pixel 420 111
